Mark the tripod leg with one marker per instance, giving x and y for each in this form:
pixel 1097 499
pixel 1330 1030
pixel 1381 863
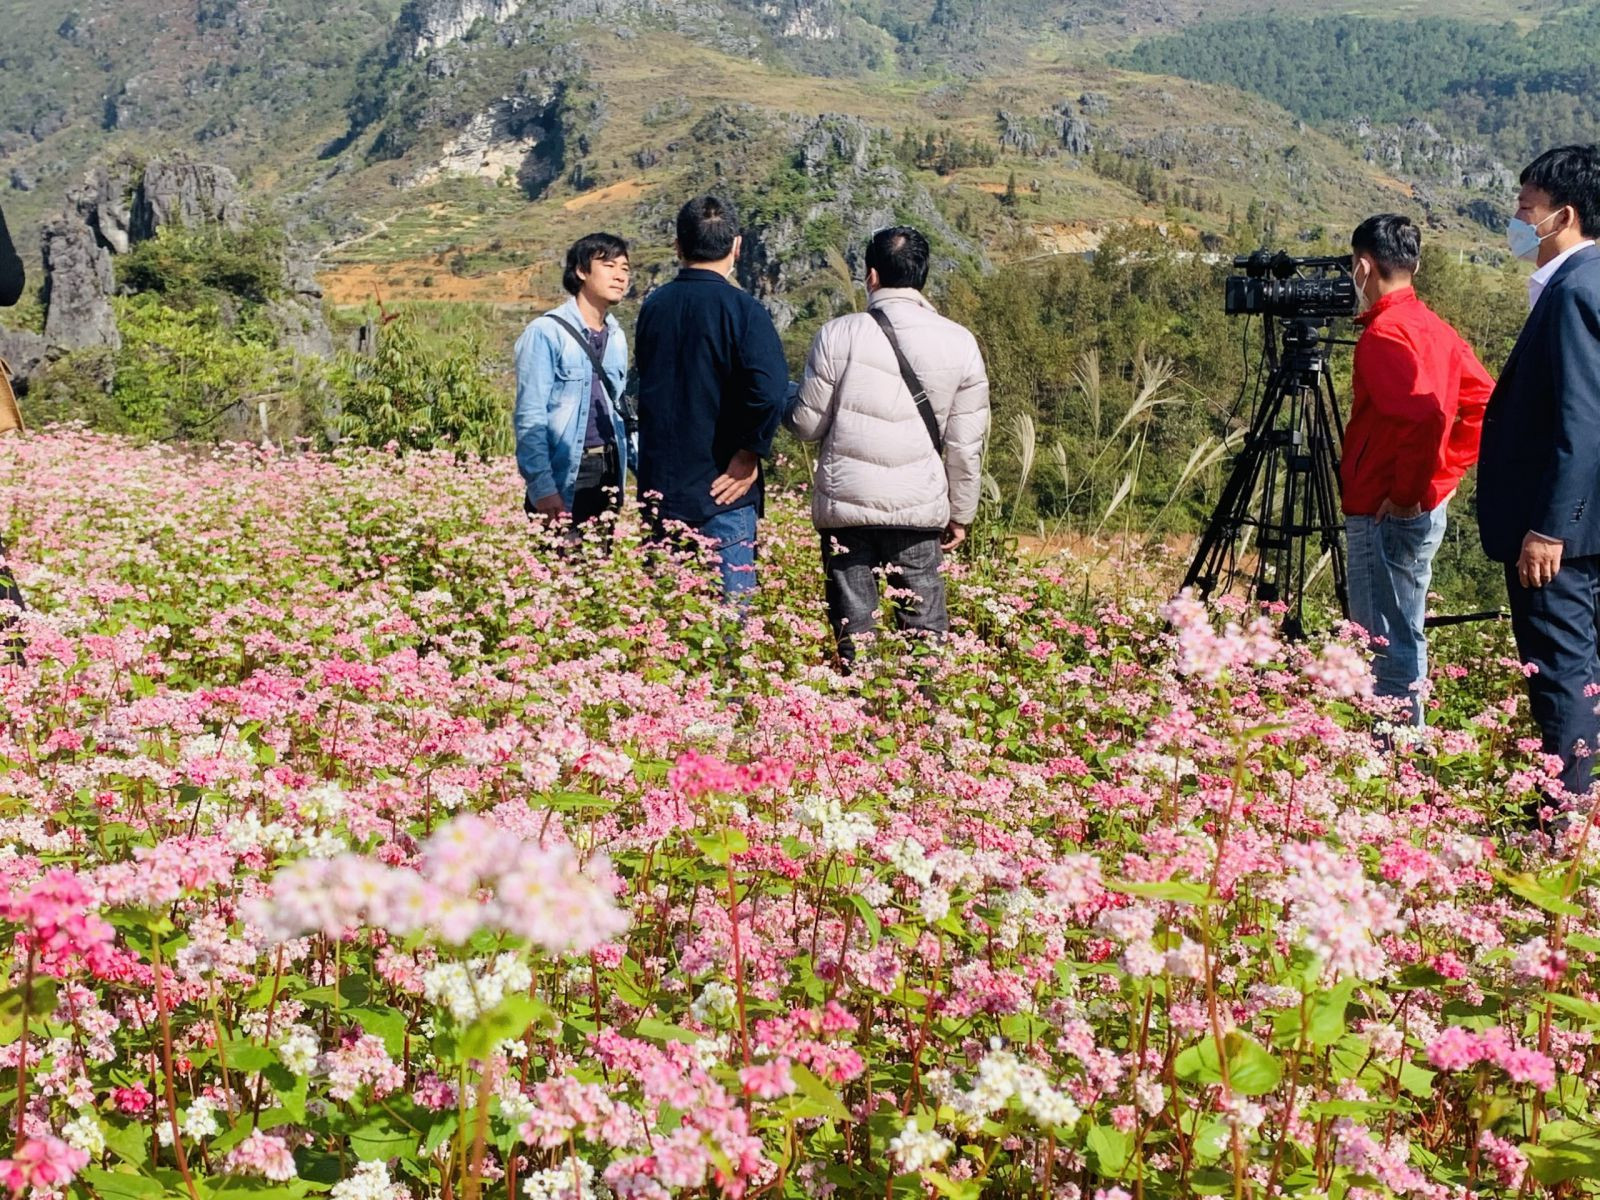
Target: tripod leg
pixel 1214 561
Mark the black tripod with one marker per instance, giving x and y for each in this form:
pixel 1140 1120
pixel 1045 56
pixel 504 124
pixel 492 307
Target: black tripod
pixel 1283 492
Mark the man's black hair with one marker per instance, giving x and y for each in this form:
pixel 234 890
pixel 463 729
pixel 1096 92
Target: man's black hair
pixel 707 227
pixel 900 257
pixel 1394 241
pixel 1570 175
pixel 607 247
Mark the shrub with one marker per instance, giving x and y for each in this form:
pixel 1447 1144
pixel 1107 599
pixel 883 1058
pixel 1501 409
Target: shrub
pixel 420 398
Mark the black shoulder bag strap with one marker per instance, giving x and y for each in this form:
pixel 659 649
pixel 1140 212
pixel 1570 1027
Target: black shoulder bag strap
pixel 918 392
pixel 625 409
pixel 594 355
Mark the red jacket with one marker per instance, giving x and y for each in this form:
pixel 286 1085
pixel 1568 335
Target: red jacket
pixel 1419 393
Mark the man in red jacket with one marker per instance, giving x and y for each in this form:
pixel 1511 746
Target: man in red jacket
pixel 1415 420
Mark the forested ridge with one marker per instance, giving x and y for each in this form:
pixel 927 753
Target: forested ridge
pixel 1520 91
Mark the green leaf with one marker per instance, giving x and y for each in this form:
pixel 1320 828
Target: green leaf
pixel 1253 1070
pixel 1184 891
pixel 387 1023
pixel 247 1056
pixel 1542 893
pixel 652 1029
pixel 507 1021
pixel 115 1185
pixel 1211 1183
pixel 1582 941
pixel 229 1138
pixel 722 845
pixel 869 917
pixel 814 1089
pixel 131 1143
pixel 964 1189
pixel 1563 1161
pixel 383 1137
pixel 1324 1019
pixel 290 1089
pixel 1110 1148
pixel 39 1001
pixel 1417 1080
pixel 1586 1010
pixel 573 801
pixel 442 1129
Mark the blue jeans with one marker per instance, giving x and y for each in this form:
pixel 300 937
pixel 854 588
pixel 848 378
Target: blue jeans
pixel 732 538
pixel 1391 565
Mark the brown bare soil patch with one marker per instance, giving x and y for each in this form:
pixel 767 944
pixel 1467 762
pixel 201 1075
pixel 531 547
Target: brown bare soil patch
pixel 628 189
pixel 357 283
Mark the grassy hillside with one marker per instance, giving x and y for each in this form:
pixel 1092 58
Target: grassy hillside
pixel 467 238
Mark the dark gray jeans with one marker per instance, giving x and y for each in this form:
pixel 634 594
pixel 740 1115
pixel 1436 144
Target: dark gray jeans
pixel 907 559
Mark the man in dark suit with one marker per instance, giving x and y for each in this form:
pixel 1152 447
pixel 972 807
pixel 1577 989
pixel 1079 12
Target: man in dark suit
pixel 1539 469
pixel 12 281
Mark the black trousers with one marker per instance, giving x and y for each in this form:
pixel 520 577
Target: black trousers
pixel 908 561
pixel 596 474
pixel 1558 631
pixel 8 585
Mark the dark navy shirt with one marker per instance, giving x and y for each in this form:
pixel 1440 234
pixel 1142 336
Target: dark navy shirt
pixel 712 381
pixel 599 430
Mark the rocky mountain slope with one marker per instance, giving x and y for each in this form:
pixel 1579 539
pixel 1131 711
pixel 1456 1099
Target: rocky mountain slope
pixel 446 149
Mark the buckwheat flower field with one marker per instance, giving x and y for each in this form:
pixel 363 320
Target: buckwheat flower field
pixel 357 843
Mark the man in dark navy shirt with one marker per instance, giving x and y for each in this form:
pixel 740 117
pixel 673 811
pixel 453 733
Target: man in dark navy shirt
pixel 713 386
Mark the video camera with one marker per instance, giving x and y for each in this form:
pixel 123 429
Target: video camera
pixel 1278 285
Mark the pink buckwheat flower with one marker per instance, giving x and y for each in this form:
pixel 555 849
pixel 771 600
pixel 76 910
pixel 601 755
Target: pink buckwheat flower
pixel 767 1081
pixel 46 1164
pixel 263 1154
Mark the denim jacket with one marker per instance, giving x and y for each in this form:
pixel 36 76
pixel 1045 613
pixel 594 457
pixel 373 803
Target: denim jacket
pixel 554 382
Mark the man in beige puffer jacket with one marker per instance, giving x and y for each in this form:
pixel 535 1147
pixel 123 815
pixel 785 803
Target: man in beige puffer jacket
pixel 896 483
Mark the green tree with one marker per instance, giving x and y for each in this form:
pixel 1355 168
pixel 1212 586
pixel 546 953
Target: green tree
pixel 420 398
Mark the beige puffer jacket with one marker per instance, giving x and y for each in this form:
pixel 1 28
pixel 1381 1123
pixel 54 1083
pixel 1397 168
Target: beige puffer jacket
pixel 877 464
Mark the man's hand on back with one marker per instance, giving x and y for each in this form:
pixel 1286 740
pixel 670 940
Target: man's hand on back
pixel 1540 561
pixel 954 534
pixel 738 479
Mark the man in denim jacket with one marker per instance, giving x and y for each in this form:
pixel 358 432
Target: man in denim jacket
pixel 572 446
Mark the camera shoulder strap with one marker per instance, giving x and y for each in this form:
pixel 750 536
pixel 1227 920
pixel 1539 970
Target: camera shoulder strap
pixel 909 375
pixel 594 355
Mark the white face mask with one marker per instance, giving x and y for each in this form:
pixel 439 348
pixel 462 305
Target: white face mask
pixel 1525 239
pixel 1363 301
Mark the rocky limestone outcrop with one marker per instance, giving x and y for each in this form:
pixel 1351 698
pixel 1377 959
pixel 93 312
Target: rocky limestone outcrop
pixel 1076 136
pixel 1017 133
pixel 523 136
pixel 79 280
pixel 188 195
pixel 1418 149
pixel 809 20
pixel 113 209
pixel 428 25
pixel 105 201
pixel 852 187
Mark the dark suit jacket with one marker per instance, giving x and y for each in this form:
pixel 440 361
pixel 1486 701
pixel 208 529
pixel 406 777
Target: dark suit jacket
pixel 12 278
pixel 1539 468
